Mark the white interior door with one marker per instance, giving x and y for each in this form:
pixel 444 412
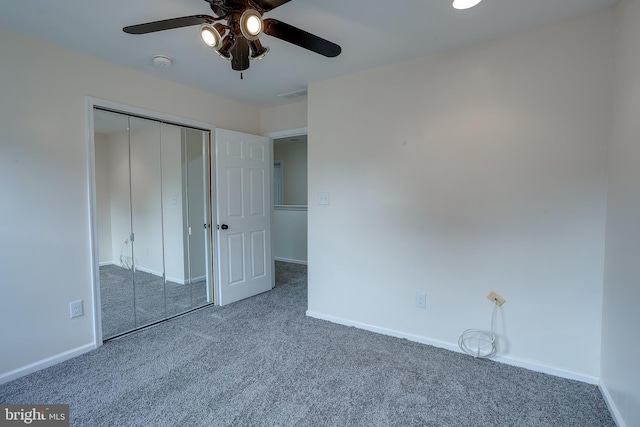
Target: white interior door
pixel 243 167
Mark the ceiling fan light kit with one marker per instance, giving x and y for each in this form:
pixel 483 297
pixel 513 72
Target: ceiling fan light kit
pixel 227 44
pixel 257 50
pixel 211 35
pixel 239 39
pixel 251 24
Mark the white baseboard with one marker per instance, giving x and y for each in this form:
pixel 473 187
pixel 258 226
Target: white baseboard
pixel 547 369
pixel 292 261
pixel 532 366
pixel 615 413
pixel 148 270
pixel 159 274
pixel 175 280
pixel 45 363
pixel 184 281
pixel 384 331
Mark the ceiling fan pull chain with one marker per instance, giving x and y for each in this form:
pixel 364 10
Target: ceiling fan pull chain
pixel 241 76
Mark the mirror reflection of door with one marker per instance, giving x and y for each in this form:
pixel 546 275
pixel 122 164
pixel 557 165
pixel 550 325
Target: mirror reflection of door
pixel 152 198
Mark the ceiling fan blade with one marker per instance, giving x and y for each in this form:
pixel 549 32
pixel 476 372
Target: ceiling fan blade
pixel 240 54
pixel 301 38
pixel 219 7
pixel 268 5
pixel 168 24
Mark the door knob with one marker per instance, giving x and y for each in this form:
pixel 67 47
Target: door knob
pixel 224 226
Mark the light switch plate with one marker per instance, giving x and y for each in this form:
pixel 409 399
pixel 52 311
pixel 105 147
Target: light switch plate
pixel 421 300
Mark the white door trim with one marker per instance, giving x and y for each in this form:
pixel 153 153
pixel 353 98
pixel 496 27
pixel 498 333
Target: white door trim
pixel 287 133
pixel 90 104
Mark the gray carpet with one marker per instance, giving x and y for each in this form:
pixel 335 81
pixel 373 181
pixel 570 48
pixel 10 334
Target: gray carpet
pixel 261 362
pixel 126 306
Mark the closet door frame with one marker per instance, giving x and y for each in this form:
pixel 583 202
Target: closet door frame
pixel 90 104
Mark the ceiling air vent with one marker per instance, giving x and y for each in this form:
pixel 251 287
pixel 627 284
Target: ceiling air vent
pixel 302 93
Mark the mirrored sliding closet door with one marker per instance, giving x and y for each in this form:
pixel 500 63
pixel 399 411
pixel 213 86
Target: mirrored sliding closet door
pixel 154 238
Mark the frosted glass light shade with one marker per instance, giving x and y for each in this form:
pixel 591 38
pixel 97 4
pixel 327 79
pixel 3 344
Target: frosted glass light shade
pixel 211 36
pixel 251 24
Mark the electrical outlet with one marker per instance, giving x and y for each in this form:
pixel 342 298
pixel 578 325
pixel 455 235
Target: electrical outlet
pixel 495 298
pixel 421 300
pixel 323 198
pixel 75 309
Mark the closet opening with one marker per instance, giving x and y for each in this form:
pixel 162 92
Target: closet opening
pixel 152 220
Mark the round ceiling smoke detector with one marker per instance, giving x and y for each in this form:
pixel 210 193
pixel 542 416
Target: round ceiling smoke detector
pixel 162 61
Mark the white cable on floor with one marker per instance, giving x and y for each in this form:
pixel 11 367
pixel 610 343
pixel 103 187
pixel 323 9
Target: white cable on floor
pixel 125 261
pixel 477 343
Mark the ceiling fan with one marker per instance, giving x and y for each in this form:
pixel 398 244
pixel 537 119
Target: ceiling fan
pixel 238 40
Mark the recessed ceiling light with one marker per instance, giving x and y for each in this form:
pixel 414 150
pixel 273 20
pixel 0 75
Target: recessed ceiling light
pixel 465 4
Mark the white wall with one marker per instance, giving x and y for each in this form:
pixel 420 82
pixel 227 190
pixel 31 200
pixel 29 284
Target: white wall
pixel 284 117
pixel 293 158
pixel 44 183
pixel 289 234
pixel 459 173
pixel 620 345
pixel 146 197
pixel 117 203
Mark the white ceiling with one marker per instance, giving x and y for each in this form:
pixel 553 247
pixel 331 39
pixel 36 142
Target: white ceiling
pixel 371 33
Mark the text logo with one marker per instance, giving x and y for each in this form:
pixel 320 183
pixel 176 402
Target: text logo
pixel 34 415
